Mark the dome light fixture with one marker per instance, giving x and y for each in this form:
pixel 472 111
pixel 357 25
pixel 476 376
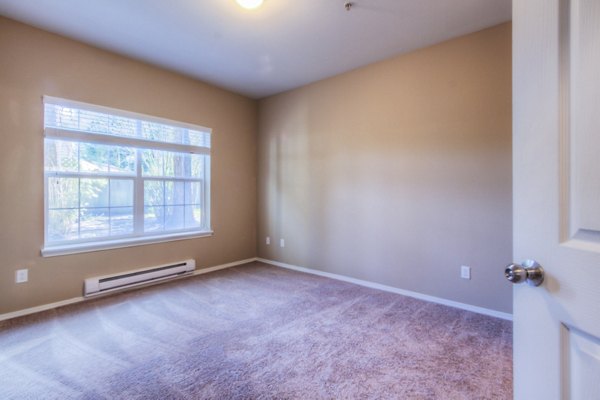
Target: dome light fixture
pixel 250 4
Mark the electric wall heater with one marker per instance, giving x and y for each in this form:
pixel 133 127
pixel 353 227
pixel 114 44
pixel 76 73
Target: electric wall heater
pixel 108 283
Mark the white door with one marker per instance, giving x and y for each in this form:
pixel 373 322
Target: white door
pixel 556 159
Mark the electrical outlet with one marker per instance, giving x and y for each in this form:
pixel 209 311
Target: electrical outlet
pixel 268 241
pixel 465 272
pixel 21 275
pixel 281 242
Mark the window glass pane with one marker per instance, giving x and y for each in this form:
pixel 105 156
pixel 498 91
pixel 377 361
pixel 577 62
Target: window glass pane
pixel 193 193
pixel 121 192
pixel 94 192
pixel 94 222
pixel 174 193
pixel 93 157
pixel 173 164
pixel 174 218
pixel 182 165
pixel 172 134
pixel 61 117
pixel 62 225
pixel 61 156
pixel 161 133
pixel 63 193
pixel 154 193
pixel 121 221
pixel 121 160
pixel 170 164
pixel 197 165
pixel 154 219
pixel 90 121
pixel 177 164
pixel 152 163
pixel 198 138
pixel 193 216
pixel 122 126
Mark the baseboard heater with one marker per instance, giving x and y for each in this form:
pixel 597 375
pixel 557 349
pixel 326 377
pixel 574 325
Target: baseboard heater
pixel 108 283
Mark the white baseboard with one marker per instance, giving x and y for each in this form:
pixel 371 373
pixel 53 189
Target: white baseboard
pixel 373 285
pixel 50 306
pixel 420 296
pixel 223 266
pixel 43 307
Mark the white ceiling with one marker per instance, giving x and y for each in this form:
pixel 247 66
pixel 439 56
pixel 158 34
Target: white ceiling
pixel 282 45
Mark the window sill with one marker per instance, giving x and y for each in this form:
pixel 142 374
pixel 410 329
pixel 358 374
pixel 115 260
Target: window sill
pixel 62 250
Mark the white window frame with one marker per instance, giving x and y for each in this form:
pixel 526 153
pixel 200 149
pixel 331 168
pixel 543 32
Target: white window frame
pixel 138 237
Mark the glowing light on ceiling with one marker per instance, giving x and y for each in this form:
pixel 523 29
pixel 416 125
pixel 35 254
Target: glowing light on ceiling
pixel 250 4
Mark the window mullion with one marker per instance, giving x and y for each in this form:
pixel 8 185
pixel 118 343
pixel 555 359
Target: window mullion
pixel 79 208
pixel 138 199
pixel 46 204
pixel 206 221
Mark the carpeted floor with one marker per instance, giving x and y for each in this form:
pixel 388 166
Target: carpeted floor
pixel 256 332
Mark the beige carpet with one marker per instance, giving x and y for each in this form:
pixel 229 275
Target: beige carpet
pixel 256 332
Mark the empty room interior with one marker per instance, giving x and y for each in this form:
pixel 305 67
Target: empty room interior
pixel 284 201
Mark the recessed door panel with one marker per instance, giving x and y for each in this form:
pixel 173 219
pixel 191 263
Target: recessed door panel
pixel 582 366
pixel 583 73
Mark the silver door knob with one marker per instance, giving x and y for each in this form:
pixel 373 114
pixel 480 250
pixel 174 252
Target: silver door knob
pixel 529 271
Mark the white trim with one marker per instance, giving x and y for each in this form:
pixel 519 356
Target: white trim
pixel 206 190
pixel 138 196
pixel 43 307
pixel 223 266
pixel 373 285
pixel 86 247
pixel 122 113
pixel 74 300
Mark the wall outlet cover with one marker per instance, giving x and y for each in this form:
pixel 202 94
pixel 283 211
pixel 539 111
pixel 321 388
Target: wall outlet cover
pixel 465 272
pixel 21 275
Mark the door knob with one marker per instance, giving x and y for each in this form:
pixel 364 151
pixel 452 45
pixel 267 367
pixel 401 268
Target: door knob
pixel 529 271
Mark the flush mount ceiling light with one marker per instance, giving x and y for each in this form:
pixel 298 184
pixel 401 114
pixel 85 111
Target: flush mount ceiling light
pixel 250 4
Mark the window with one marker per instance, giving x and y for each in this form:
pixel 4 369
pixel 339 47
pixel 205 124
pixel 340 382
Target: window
pixel 115 178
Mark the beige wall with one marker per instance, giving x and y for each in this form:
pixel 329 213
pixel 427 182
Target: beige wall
pixel 398 172
pixel 35 63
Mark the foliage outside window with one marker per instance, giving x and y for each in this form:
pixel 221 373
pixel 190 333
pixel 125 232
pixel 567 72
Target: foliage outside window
pixel 115 178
